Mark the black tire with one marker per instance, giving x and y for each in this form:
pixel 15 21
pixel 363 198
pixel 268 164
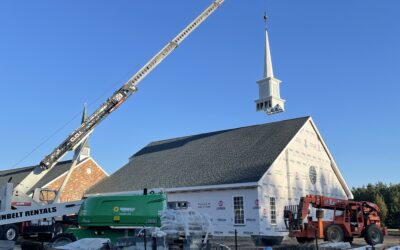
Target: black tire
pixel 373 235
pixel 62 239
pixel 334 233
pixel 303 240
pixel 10 232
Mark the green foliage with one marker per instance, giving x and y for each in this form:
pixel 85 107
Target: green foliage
pixel 387 197
pixel 382 205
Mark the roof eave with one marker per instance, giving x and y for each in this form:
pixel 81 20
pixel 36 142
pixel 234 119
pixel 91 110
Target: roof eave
pixel 213 187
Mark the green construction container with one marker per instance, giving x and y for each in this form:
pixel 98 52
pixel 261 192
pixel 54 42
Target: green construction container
pixel 122 211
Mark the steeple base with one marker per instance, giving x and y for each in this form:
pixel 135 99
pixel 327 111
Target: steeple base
pixel 271 105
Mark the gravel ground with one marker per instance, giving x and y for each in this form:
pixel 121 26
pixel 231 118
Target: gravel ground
pixel 247 244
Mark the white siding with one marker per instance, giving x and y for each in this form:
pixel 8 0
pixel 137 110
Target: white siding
pixel 288 178
pixel 218 204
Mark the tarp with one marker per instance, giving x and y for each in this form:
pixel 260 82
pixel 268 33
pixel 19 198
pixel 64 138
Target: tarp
pixel 88 244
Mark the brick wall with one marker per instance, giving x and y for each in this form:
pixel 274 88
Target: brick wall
pixel 84 176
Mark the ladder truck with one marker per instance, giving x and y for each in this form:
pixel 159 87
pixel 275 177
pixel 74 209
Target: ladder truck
pixel 21 204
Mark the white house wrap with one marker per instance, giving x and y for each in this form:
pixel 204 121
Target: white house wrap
pixel 241 177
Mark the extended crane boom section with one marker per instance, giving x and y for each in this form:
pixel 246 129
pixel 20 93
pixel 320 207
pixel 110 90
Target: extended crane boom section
pixel 22 208
pixel 123 93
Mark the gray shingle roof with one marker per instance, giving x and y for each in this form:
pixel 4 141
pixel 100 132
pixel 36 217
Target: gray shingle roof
pixel 224 157
pixel 18 174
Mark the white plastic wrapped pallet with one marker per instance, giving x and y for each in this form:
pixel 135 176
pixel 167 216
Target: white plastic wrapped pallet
pixel 185 221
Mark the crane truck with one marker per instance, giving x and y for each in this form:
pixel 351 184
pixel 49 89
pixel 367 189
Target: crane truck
pixel 350 219
pixel 20 205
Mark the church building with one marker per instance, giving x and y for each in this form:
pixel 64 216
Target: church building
pixel 241 177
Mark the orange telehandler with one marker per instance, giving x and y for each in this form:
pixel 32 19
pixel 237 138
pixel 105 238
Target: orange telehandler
pixel 350 219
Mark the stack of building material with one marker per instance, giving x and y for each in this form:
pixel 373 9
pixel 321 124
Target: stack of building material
pixel 185 227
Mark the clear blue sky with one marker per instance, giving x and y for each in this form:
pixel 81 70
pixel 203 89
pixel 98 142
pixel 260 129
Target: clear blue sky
pixel 338 61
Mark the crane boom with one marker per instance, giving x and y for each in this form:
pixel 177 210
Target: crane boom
pixel 111 104
pixel 124 92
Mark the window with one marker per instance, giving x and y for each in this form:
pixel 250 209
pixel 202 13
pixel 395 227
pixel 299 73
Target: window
pixel 272 208
pixel 238 210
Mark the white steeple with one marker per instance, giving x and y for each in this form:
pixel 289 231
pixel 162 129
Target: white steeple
pixel 268 71
pixel 269 87
pixel 85 153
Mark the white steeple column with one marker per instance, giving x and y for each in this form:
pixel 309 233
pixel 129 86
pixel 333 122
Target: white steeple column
pixel 269 87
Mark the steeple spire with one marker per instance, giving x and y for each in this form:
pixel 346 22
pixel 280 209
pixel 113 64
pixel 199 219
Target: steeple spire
pixel 269 87
pixel 85 153
pixel 84 114
pixel 268 71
